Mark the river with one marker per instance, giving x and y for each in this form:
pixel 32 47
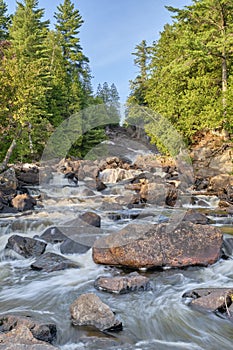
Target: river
pixel 158 319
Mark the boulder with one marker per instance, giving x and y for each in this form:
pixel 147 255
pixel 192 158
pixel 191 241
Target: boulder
pixel 71 247
pixel 50 262
pixel 218 300
pixel 21 338
pixel 26 246
pixel 53 235
pixel 154 193
pixel 91 218
pixel 89 310
pixel 123 284
pixel 8 180
pixel 46 332
pixel 220 182
pixel 196 218
pixel 23 202
pixel 100 186
pixel 148 246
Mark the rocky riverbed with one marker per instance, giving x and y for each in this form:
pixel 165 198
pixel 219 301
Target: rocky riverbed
pixel 124 252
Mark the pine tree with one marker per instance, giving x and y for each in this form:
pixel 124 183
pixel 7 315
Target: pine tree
pixel 27 68
pixel 138 85
pixel 4 21
pixel 68 23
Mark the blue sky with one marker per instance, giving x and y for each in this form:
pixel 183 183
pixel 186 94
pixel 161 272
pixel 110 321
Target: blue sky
pixel 111 30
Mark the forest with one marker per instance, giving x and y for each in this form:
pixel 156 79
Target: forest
pixel 45 77
pixel 187 75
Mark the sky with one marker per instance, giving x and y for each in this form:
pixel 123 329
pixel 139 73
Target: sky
pixel 111 30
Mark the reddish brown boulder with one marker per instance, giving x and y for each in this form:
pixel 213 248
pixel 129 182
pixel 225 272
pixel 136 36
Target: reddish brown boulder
pixel 141 246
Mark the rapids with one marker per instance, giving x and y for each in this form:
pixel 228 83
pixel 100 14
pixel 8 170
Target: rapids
pixel 158 319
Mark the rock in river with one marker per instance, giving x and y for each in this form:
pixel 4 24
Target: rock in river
pixel 26 246
pixel 50 262
pixel 218 300
pixel 123 284
pixel 138 246
pixel 89 310
pixel 19 330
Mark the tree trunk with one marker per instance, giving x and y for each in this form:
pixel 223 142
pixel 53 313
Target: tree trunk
pixel 8 155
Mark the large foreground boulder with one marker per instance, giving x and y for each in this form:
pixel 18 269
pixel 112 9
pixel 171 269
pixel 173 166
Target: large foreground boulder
pixel 89 310
pixel 139 246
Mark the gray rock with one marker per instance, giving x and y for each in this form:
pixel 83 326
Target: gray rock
pixel 25 246
pixel 71 247
pixel 53 235
pixel 89 310
pixel 218 300
pixel 196 217
pixel 50 262
pixel 123 284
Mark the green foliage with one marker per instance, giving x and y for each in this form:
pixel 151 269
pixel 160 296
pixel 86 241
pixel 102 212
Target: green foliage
pixel 189 74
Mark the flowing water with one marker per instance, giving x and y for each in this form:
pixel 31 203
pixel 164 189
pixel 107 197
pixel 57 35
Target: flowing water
pixel 158 319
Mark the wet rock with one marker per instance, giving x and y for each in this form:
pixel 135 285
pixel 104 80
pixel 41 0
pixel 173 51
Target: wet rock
pixel 154 193
pixel 71 247
pixel 218 300
pixel 53 235
pixel 220 182
pixel 100 186
pixel 29 178
pixel 26 246
pixel 123 284
pixel 116 175
pixel 5 208
pixel 93 343
pixel 46 332
pixel 91 218
pixel 196 218
pixel 138 246
pixel 8 180
pixel 50 262
pixel 23 202
pixel 87 169
pixel 21 338
pixel 88 193
pixel 89 310
pixel 227 248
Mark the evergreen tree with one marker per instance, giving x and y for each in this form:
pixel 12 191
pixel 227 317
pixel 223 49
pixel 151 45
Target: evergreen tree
pixel 26 66
pixel 138 85
pixel 67 26
pixel 4 21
